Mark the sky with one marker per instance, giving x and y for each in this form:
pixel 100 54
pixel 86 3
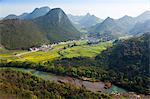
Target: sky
pixel 100 8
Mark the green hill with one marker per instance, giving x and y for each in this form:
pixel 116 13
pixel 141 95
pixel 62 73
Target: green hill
pixel 20 34
pixel 52 27
pixel 56 26
pixel 108 29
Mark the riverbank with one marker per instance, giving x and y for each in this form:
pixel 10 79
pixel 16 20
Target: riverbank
pixel 97 86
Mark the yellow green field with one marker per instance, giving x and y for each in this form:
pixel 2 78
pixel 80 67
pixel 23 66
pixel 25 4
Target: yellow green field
pixel 58 51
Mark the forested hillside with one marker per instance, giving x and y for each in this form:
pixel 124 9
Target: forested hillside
pixel 25 85
pixel 20 34
pixel 56 26
pixel 130 61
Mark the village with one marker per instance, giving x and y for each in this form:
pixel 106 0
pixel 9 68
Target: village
pixel 47 47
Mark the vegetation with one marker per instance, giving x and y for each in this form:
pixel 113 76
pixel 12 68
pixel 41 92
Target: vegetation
pixel 20 34
pixel 107 30
pixel 77 49
pixel 57 28
pixel 9 55
pixel 129 60
pixel 84 50
pixel 62 69
pixel 125 64
pixel 28 86
pixel 23 34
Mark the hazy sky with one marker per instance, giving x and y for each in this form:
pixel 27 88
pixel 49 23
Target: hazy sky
pixel 100 8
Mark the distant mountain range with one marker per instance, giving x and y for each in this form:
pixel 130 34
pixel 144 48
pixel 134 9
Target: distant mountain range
pixel 108 27
pixel 45 25
pixel 140 28
pixel 84 21
pixel 37 28
pixel 37 12
pixel 123 26
pixel 79 21
pixel 143 17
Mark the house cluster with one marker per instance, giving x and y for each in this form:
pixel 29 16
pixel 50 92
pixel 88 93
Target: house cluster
pixel 41 48
pixel 47 47
pixel 92 40
pixel 67 42
pixel 33 49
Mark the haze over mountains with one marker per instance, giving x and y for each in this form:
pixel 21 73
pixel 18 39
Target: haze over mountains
pixel 123 26
pixel 141 28
pixel 45 25
pixel 37 12
pixel 85 21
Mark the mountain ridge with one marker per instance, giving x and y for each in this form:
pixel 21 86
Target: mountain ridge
pixel 84 21
pixel 123 25
pixel 37 12
pixel 54 22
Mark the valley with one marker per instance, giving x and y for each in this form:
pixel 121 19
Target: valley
pixel 83 66
pixel 50 54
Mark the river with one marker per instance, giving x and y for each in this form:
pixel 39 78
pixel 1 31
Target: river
pixel 92 86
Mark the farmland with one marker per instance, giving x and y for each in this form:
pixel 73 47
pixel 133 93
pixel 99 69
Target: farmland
pixel 75 49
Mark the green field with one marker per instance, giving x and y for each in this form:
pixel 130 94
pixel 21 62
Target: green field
pixel 81 48
pixel 85 50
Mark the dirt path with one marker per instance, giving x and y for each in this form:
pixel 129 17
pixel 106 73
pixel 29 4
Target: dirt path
pixel 25 53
